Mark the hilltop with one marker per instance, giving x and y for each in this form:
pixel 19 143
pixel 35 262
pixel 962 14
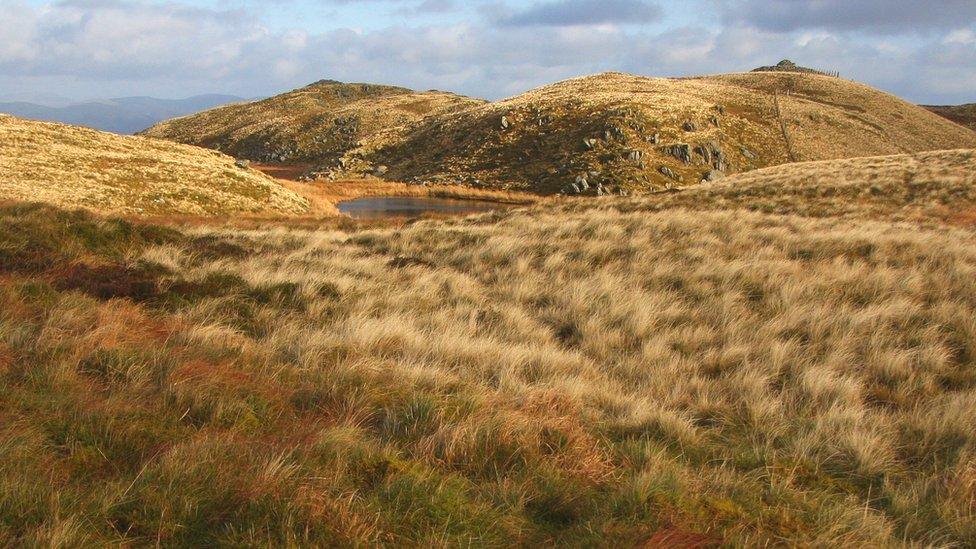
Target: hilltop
pixel 964 115
pixel 788 66
pixel 319 122
pixel 784 357
pixel 618 131
pixel 74 167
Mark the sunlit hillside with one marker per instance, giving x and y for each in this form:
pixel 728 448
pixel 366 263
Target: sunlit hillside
pixel 74 167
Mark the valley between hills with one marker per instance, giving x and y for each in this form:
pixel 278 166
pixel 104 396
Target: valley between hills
pixel 730 310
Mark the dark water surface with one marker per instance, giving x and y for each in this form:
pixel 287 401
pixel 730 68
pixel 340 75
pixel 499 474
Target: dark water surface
pixel 411 206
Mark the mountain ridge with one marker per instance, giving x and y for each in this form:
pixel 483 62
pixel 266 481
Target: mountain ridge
pixel 122 115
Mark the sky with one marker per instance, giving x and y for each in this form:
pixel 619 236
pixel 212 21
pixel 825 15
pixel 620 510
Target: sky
pixel 83 49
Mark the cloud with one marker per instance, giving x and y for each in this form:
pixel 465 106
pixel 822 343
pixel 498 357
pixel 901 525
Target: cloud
pixel 110 48
pixel 560 13
pixel 874 15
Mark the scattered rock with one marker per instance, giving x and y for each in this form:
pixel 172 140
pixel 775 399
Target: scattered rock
pixel 720 109
pixel 668 172
pixel 681 151
pixel 748 154
pixel 590 143
pixel 713 175
pixel 635 155
pixel 654 139
pixel 505 123
pixel 380 170
pixel 689 126
pixel 242 163
pixel 715 122
pixel 582 183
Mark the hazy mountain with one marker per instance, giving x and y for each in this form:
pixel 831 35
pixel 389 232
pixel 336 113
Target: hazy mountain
pixel 125 115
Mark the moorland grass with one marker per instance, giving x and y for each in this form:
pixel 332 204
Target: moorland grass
pixel 589 375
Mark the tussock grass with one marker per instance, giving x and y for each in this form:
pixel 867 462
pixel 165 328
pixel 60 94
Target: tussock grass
pixel 74 167
pixel 604 374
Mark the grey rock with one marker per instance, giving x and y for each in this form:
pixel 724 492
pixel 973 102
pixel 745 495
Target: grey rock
pixel 689 126
pixel 713 175
pixel 681 151
pixel 668 172
pixel 380 170
pixel 242 163
pixel 590 143
pixel 748 154
pixel 505 123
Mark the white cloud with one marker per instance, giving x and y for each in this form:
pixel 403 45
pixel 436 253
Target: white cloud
pixel 109 47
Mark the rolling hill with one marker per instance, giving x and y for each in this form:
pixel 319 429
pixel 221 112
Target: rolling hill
pixel 964 115
pixel 320 122
pixel 124 115
pixel 640 134
pixel 75 167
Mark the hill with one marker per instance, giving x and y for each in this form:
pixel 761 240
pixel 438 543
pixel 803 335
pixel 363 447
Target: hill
pixel 964 115
pixel 641 134
pixel 319 122
pixel 722 366
pixel 124 115
pixel 76 167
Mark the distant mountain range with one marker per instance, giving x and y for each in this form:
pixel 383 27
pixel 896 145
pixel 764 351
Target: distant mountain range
pixel 124 115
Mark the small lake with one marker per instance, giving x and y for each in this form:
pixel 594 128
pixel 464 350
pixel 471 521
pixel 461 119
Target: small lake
pixel 374 207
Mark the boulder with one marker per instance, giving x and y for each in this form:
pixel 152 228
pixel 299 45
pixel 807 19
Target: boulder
pixel 681 151
pixel 668 172
pixel 505 123
pixel 713 175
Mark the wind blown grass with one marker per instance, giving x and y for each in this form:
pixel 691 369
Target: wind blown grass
pixel 586 376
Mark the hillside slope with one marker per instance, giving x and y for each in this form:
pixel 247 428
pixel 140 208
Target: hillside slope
pixel 964 115
pixel 935 186
pixel 76 167
pixel 641 134
pixel 319 122
pixel 663 371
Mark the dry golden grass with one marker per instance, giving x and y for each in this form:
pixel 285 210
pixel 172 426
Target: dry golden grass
pixel 964 115
pixel 604 373
pixel 543 148
pixel 319 122
pixel 75 167
pixel 930 187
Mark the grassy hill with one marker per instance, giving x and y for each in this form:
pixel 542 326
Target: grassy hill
pixel 319 122
pixel 74 167
pixel 964 115
pixel 786 357
pixel 642 134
